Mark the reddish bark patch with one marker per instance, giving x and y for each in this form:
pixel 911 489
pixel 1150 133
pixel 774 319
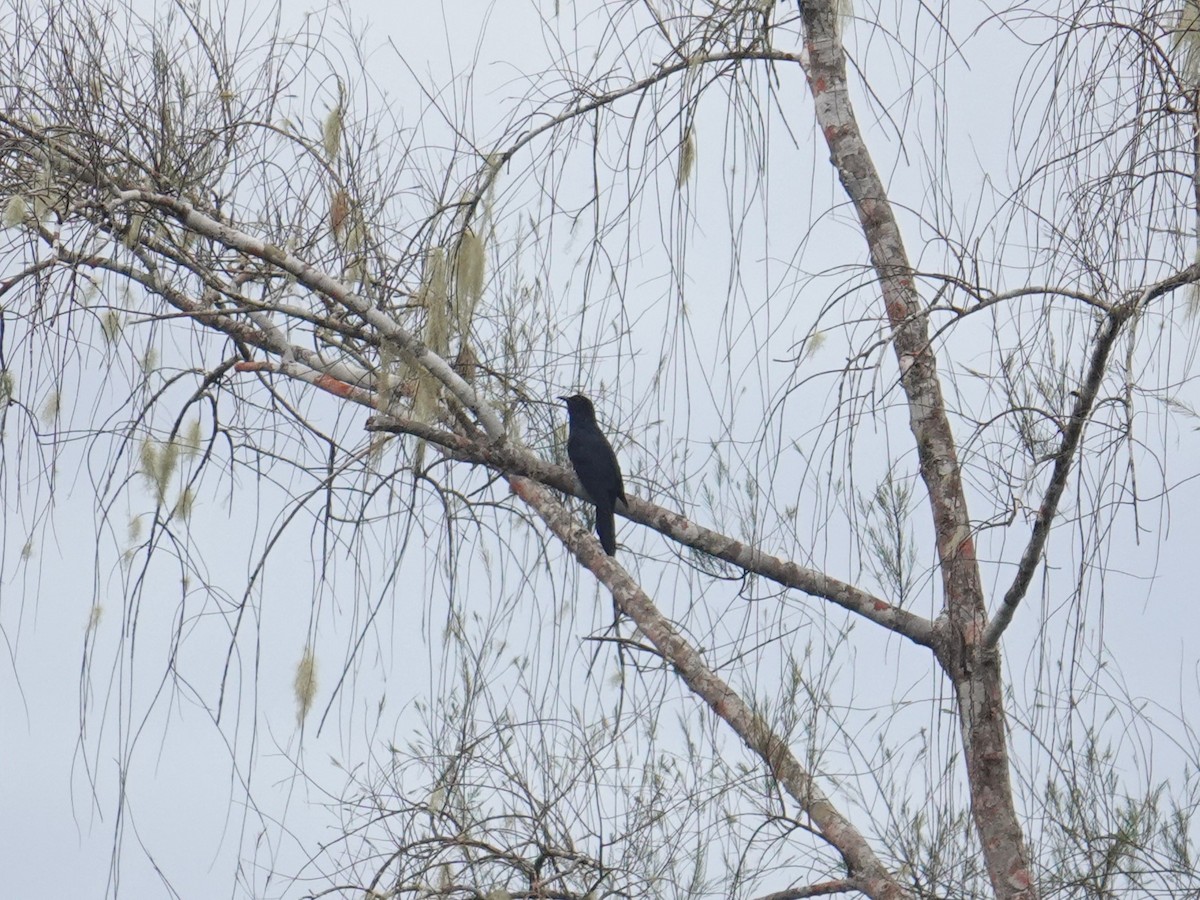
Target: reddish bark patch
pixel 967 548
pixel 1019 878
pixel 880 606
pixel 334 386
pixel 896 311
pixel 519 488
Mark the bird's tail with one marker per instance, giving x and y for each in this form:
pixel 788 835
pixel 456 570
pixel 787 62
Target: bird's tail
pixel 606 529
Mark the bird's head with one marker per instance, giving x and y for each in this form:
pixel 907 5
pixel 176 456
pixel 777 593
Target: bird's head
pixel 579 407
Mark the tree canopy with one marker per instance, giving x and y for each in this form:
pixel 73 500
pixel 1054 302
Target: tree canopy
pixel 889 312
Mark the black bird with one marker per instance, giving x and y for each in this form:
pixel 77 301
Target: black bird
pixel 596 465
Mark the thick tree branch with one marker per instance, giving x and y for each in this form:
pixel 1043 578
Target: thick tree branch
pixel 518 461
pixel 824 889
pixel 672 524
pixel 930 426
pixel 868 872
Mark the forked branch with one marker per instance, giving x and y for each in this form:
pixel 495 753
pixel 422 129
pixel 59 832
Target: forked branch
pixel 1068 450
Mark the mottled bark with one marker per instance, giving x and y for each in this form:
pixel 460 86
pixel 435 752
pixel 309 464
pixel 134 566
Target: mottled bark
pixel 974 671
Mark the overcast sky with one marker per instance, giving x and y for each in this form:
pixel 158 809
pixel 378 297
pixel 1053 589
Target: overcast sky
pixel 186 812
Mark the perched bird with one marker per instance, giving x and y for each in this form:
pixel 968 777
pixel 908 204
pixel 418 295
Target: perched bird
pixel 596 465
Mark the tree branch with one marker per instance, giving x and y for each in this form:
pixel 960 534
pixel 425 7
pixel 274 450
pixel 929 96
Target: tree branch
pixel 510 459
pixel 518 461
pixel 1085 401
pixel 869 873
pixel 824 889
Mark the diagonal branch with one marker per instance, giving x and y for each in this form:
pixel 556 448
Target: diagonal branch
pixel 519 461
pixel 515 459
pixel 940 470
pixel 1085 401
pixel 821 889
pixel 861 862
pixel 869 873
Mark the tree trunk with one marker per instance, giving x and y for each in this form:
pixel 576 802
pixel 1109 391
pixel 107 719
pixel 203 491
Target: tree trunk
pixel 976 675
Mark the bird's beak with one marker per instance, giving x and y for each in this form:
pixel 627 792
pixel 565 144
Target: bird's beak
pixel 563 399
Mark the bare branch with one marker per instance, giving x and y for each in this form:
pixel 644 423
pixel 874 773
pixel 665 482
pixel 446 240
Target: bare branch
pixel 824 889
pixel 514 460
pixel 753 729
pixel 1085 401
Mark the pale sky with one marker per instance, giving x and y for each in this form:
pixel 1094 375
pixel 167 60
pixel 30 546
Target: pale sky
pixel 186 812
